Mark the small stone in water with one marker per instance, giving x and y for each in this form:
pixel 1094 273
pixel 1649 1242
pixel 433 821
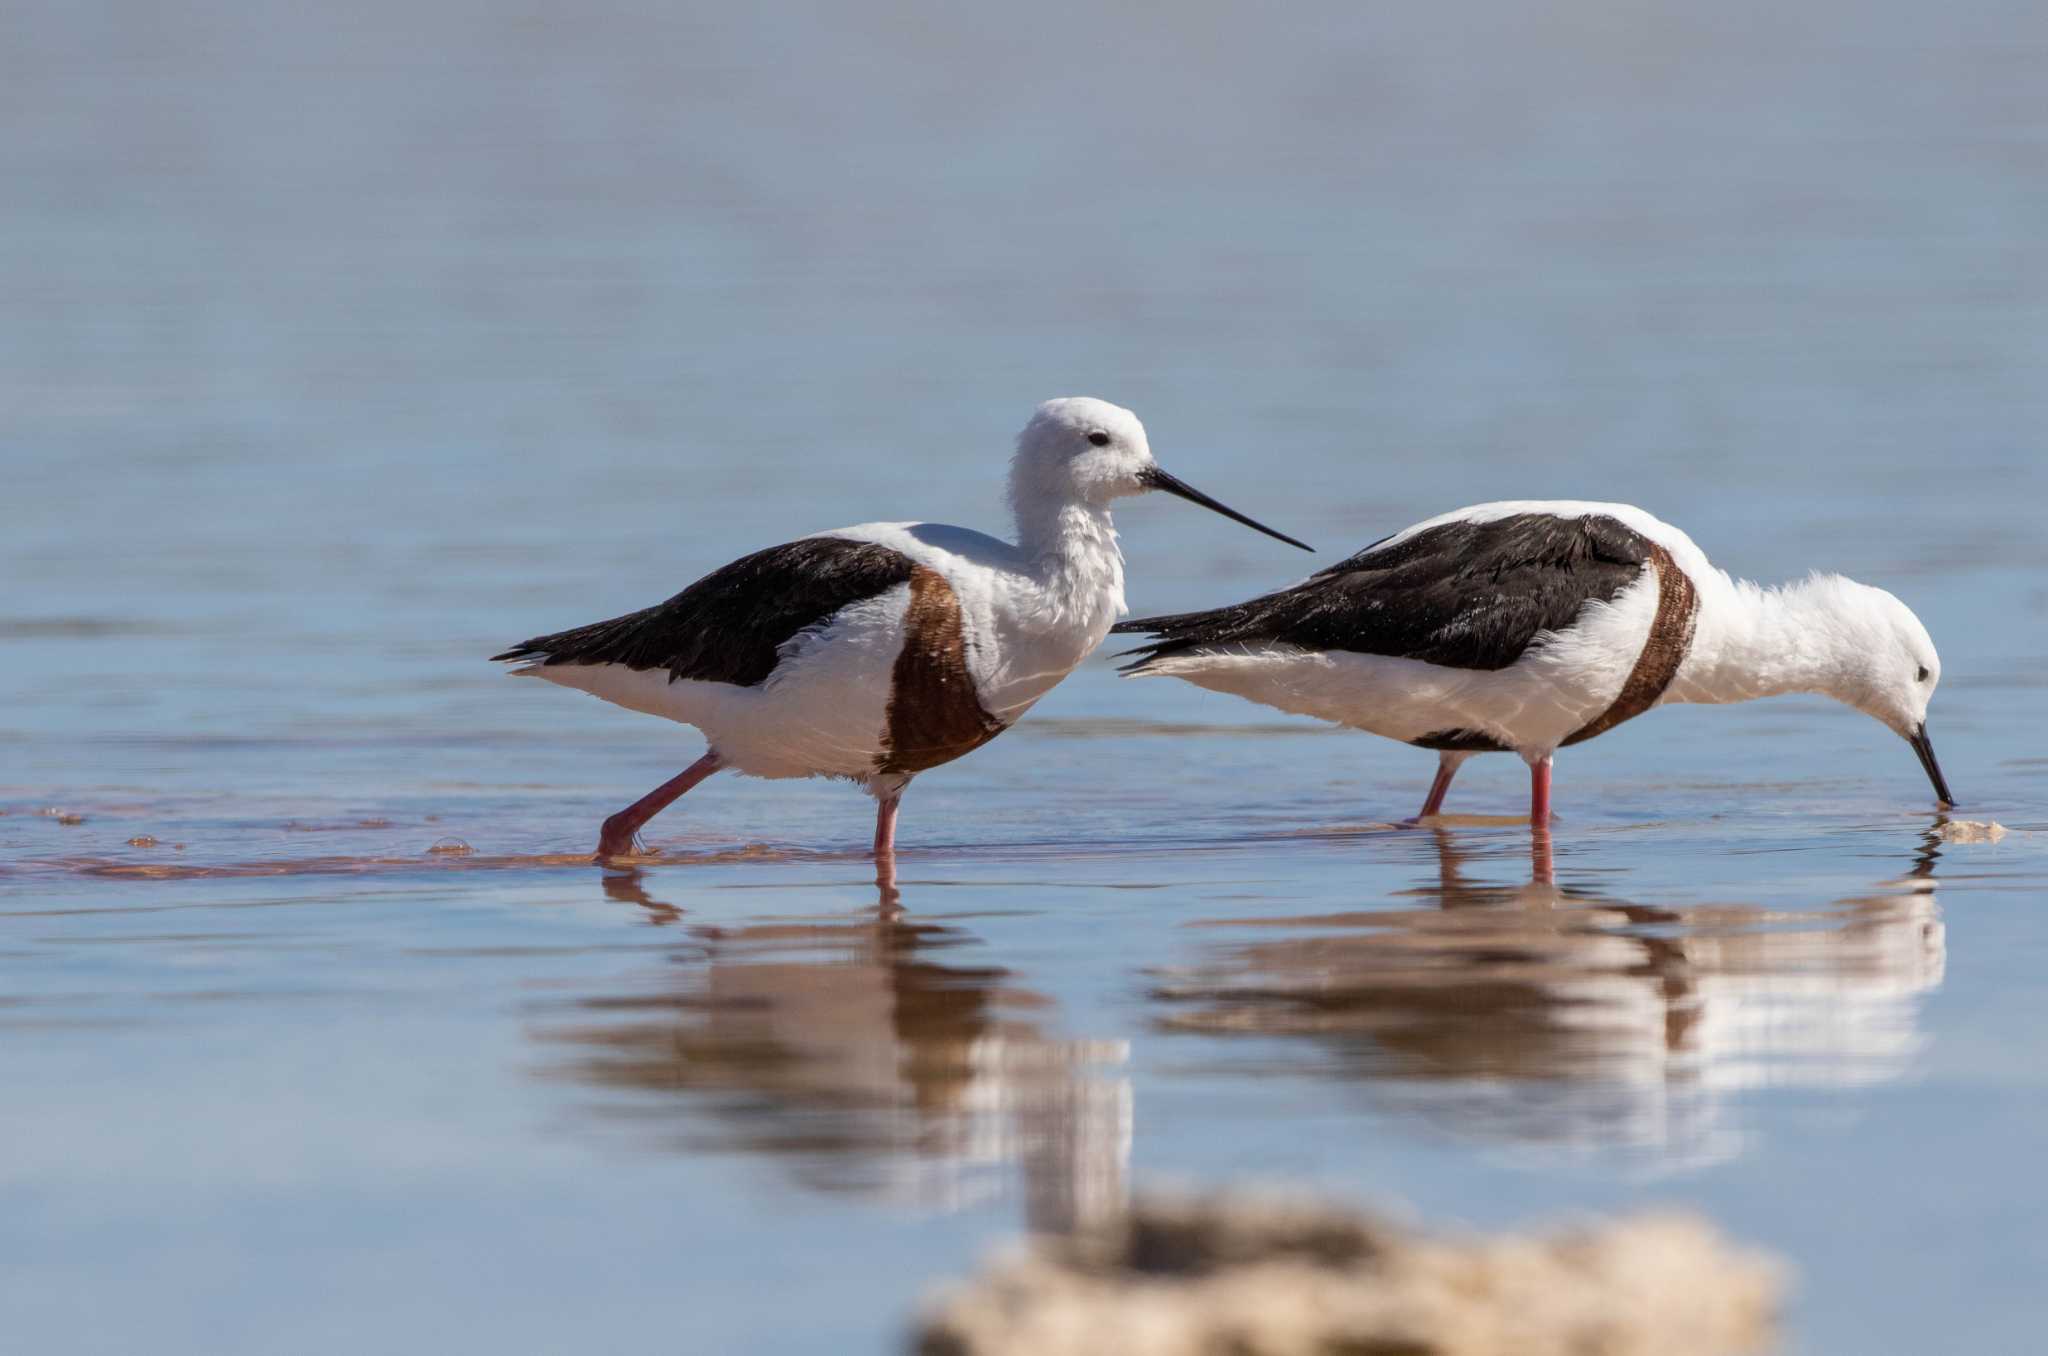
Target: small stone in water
pixel 142 840
pixel 66 817
pixel 450 847
pixel 1972 831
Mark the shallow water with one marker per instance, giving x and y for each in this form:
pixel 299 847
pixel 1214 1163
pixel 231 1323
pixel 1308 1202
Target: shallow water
pixel 337 355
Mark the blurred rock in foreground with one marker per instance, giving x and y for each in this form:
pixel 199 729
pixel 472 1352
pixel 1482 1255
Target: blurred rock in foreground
pixel 1265 1277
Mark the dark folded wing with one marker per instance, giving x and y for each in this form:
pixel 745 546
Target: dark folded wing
pixel 1466 595
pixel 729 626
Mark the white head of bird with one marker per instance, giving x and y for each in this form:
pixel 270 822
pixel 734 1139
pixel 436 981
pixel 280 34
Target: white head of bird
pixel 1888 665
pixel 1861 646
pixel 1079 454
pixel 1080 450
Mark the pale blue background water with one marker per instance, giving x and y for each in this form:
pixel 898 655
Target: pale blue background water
pixel 339 348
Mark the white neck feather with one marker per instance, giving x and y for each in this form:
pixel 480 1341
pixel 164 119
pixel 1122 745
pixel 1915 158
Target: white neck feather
pixel 1754 641
pixel 1074 556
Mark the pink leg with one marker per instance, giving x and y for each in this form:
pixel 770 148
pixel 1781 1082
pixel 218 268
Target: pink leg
pixel 1447 766
pixel 1539 823
pixel 1539 795
pixel 885 847
pixel 885 826
pixel 617 838
pixel 1445 770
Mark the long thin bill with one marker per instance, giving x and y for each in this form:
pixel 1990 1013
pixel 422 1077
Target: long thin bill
pixel 1923 746
pixel 1156 479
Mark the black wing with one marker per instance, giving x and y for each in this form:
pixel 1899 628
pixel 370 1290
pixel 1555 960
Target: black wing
pixel 1466 595
pixel 728 627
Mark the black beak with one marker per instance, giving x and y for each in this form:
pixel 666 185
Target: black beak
pixel 1925 748
pixel 1152 478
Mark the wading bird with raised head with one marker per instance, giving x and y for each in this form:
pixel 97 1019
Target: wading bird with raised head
pixel 1528 626
pixel 880 651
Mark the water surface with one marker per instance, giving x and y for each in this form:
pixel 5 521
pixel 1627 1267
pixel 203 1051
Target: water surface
pixel 341 350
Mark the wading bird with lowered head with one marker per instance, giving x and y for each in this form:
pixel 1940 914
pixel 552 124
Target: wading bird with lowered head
pixel 878 652
pixel 1528 626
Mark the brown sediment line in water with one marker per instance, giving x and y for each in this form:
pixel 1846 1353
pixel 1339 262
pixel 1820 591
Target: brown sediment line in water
pixel 452 855
pixel 429 860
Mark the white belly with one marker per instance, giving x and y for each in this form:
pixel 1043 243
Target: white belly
pixel 1558 685
pixel 822 712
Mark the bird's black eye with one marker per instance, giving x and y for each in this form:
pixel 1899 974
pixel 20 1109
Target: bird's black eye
pixel 1099 438
pixel 1922 676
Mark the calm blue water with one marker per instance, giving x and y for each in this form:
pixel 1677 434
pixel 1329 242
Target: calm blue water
pixel 340 348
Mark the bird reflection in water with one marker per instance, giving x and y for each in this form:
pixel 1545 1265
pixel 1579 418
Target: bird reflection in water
pixel 853 1051
pixel 1540 1014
